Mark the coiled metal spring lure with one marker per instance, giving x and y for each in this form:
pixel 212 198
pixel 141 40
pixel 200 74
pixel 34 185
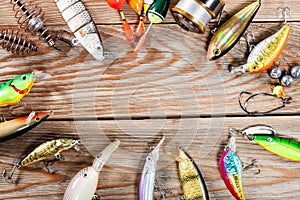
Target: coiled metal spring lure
pixel 16 42
pixel 31 17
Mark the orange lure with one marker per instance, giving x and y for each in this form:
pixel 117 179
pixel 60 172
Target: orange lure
pixel 118 5
pixel 137 6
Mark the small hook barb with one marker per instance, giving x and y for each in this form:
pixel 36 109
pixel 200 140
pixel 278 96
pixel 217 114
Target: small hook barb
pixel 8 176
pixel 253 164
pixel 285 12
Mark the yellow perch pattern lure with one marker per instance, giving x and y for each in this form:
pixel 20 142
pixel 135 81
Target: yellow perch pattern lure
pixel 192 182
pixel 265 53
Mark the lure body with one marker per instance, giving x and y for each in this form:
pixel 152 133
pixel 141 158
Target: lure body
pixel 231 31
pixel 137 6
pixel 147 180
pixel 266 52
pixel 12 91
pixel 192 182
pixel 284 147
pixel 82 25
pixel 230 167
pixel 13 128
pixel 83 185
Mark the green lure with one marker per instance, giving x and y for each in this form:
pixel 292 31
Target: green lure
pixel 12 91
pixel 265 137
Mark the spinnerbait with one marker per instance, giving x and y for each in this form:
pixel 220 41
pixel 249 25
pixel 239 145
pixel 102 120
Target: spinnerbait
pixel 31 17
pixel 82 25
pixel 44 151
pixel 231 31
pixel 147 180
pixel 266 137
pixel 231 166
pixel 83 185
pixel 13 128
pixel 192 182
pixel 15 42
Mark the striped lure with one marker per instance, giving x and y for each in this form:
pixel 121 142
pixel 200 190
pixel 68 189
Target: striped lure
pixel 192 182
pixel 83 185
pixel 231 31
pixel 230 167
pixel 82 25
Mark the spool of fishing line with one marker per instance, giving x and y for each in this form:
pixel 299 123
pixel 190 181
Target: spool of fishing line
pixel 193 15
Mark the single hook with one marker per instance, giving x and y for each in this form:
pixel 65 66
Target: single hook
pixel 285 12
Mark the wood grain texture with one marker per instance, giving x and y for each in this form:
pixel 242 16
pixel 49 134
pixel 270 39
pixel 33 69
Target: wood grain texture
pixel 203 139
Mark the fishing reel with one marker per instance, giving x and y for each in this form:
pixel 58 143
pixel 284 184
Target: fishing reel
pixel 193 15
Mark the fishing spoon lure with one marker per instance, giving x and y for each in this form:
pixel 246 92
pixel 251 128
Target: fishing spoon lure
pixel 266 137
pixel 13 128
pixel 44 151
pixel 147 180
pixel 192 182
pixel 83 185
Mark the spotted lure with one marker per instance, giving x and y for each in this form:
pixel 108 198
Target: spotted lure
pixel 266 137
pixel 231 31
pixel 82 25
pixel 265 53
pixel 13 128
pixel 230 167
pixel 192 182
pixel 83 185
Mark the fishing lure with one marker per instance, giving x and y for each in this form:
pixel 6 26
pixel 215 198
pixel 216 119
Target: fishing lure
pixel 231 166
pixel 266 137
pixel 83 185
pixel 12 91
pixel 192 182
pixel 137 6
pixel 265 53
pixel 13 128
pixel 231 31
pixel 82 25
pixel 44 151
pixel 147 180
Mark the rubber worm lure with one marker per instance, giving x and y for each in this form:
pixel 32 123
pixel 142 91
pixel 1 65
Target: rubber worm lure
pixel 231 167
pixel 82 25
pixel 44 151
pixel 12 91
pixel 265 53
pixel 266 137
pixel 147 180
pixel 83 185
pixel 192 182
pixel 13 128
pixel 231 31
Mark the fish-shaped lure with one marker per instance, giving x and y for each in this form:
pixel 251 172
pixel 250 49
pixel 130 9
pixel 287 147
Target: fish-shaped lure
pixel 12 91
pixel 264 54
pixel 231 167
pixel 44 151
pixel 192 182
pixel 231 31
pixel 147 180
pixel 13 128
pixel 265 137
pixel 82 25
pixel 83 185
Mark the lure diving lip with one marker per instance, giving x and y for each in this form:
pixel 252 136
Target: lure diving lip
pixel 231 31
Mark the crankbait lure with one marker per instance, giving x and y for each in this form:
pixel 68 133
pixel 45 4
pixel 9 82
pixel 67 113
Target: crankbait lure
pixel 44 151
pixel 266 137
pixel 83 185
pixel 12 91
pixel 147 180
pixel 13 128
pixel 137 6
pixel 82 25
pixel 231 166
pixel 231 31
pixel 192 182
pixel 265 53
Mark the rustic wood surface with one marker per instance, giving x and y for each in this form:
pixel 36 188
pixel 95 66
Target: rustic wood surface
pixel 169 88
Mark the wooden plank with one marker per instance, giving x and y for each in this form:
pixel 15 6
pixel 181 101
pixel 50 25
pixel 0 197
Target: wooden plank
pixel 103 14
pixel 169 77
pixel 203 139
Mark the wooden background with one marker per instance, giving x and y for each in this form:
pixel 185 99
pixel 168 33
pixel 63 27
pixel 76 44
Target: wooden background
pixel 169 88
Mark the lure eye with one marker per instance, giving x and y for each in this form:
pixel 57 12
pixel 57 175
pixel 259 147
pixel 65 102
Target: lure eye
pixel 85 175
pixel 216 52
pixel 149 159
pixel 37 119
pixel 24 78
pixel 254 68
pixel 269 139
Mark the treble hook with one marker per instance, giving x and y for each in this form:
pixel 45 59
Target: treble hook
pixel 8 176
pixel 161 191
pixel 249 37
pixel 285 12
pixel 253 164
